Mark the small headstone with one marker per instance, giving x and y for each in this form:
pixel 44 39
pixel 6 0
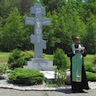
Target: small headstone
pixel 38 62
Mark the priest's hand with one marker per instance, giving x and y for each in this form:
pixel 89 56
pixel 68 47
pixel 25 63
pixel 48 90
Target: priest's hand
pixel 77 50
pixel 82 51
pixel 83 48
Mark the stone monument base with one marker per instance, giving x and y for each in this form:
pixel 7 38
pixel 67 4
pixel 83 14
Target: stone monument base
pixel 41 64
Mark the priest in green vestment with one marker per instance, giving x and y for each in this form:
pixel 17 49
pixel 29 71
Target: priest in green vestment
pixel 77 53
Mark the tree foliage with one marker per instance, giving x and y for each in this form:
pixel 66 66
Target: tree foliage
pixel 69 18
pixel 12 31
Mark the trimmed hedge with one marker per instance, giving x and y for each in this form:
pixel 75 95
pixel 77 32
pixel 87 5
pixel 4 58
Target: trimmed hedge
pixel 91 76
pixel 25 76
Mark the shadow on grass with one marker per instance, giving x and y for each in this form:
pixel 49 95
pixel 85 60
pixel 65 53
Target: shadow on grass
pixel 69 91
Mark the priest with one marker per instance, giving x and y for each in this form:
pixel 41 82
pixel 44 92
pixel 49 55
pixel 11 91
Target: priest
pixel 77 53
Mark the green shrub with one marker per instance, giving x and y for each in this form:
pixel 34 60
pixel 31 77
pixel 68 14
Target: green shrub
pixel 25 76
pixel 90 68
pixel 91 76
pixel 51 85
pixel 60 59
pixel 2 68
pixel 60 77
pixel 27 55
pixel 16 59
pixel 94 60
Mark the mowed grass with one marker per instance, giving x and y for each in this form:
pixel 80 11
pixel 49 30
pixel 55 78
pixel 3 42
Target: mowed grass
pixel 89 59
pixel 50 57
pixel 5 55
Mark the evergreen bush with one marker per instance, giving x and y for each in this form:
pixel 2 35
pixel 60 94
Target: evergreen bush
pixel 27 55
pixel 90 68
pixel 91 76
pixel 25 76
pixel 2 68
pixel 16 59
pixel 94 60
pixel 60 59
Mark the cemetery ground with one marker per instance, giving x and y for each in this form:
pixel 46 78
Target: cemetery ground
pixel 64 92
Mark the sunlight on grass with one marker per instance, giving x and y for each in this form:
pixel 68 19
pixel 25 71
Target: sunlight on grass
pixel 50 57
pixel 4 56
pixel 89 59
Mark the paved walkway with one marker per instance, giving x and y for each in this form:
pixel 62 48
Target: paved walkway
pixel 66 92
pixel 14 90
pixel 20 90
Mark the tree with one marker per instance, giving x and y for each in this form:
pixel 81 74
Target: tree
pixel 64 26
pixel 69 18
pixel 25 5
pixel 90 40
pixel 12 31
pixel 50 33
pixel 53 5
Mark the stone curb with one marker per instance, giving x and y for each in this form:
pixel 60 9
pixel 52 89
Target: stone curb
pixel 4 84
pixel 35 89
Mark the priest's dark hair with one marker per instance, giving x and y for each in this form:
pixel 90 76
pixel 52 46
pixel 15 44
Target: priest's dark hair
pixel 77 38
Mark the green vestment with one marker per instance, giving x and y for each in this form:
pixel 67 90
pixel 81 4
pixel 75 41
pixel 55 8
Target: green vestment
pixel 76 65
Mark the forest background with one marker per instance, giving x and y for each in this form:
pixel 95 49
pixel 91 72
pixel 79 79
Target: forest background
pixel 69 18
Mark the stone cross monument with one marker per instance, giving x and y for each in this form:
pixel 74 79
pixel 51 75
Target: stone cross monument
pixel 38 21
pixel 38 62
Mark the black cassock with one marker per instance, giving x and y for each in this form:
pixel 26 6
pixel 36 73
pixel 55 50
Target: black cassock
pixel 78 86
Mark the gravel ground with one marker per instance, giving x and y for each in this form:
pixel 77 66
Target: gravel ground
pixel 66 92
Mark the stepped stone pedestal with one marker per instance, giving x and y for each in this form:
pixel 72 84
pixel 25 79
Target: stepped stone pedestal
pixel 41 64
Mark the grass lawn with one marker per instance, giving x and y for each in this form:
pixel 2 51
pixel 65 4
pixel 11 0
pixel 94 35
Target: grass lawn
pixel 50 57
pixel 4 57
pixel 89 59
